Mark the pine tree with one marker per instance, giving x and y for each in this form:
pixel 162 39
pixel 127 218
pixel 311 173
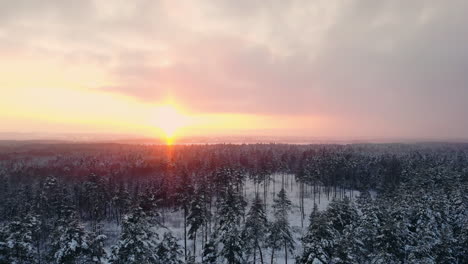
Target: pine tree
pixel 122 202
pixel 138 241
pixel 169 252
pixel 184 192
pixel 330 234
pixel 210 252
pixel 342 217
pixel 391 242
pixel 4 250
pixel 50 199
pixel 96 252
pixel 255 229
pixel 16 241
pixel 231 210
pixel 462 244
pixel 367 230
pixel 445 251
pixel 149 202
pixel 280 235
pixel 94 197
pixel 317 240
pixel 424 231
pixel 69 242
pixel 197 217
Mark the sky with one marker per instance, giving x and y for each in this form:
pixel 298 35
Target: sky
pixel 316 68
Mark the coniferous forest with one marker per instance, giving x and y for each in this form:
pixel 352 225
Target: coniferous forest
pixel 227 203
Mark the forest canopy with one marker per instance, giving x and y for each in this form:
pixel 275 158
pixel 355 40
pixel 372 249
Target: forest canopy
pixel 226 203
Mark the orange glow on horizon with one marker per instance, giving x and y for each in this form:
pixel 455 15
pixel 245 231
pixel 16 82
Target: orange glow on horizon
pixel 99 112
pixel 170 120
pixel 170 140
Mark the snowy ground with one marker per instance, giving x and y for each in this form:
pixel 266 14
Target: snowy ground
pixel 174 220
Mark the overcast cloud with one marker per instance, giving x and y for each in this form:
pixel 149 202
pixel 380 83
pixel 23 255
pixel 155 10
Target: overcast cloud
pixel 393 62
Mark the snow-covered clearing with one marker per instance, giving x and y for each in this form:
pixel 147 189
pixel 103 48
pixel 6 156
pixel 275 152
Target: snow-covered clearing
pixel 173 220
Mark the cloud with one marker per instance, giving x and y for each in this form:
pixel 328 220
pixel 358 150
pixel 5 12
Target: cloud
pixel 223 75
pixel 390 61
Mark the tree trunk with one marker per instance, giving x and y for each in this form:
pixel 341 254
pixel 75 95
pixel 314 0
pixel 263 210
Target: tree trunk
pixel 274 188
pixel 185 233
pixel 255 255
pixel 195 246
pixel 285 253
pixel 302 205
pixel 319 188
pixel 209 219
pixel 38 245
pixel 272 255
pixel 314 191
pixel 260 252
pixel 282 181
pixel 264 191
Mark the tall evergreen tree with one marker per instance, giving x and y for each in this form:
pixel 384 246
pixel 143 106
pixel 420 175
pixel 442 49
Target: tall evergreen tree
pixel 122 202
pixel 198 216
pixel 342 217
pixel 367 230
pixel 138 241
pixel 390 243
pixel 210 252
pixel 329 236
pixel 169 252
pixel 184 192
pixel 280 235
pixel 16 241
pixel 231 210
pixel 255 229
pixel 94 199
pixel 96 252
pixel 71 243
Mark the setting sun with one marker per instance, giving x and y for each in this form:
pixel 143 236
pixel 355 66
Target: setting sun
pixel 170 120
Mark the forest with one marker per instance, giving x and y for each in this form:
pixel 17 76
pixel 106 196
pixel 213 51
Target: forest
pixel 233 203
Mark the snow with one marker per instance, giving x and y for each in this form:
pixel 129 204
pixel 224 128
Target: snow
pixel 173 220
pixel 73 245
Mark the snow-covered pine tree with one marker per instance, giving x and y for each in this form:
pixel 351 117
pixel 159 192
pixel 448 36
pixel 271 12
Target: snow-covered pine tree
pixel 342 217
pixel 93 197
pixel 169 252
pixel 330 235
pixel 462 244
pixel 424 231
pixel 315 242
pixel 138 241
pixel 121 202
pixel 255 229
pixel 366 230
pixel 96 252
pixel 446 251
pixel 390 243
pixel 16 241
pixel 196 218
pixel 50 199
pixel 3 243
pixel 231 210
pixel 71 243
pixel 210 252
pixel 280 235
pixel 183 195
pixel 149 202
